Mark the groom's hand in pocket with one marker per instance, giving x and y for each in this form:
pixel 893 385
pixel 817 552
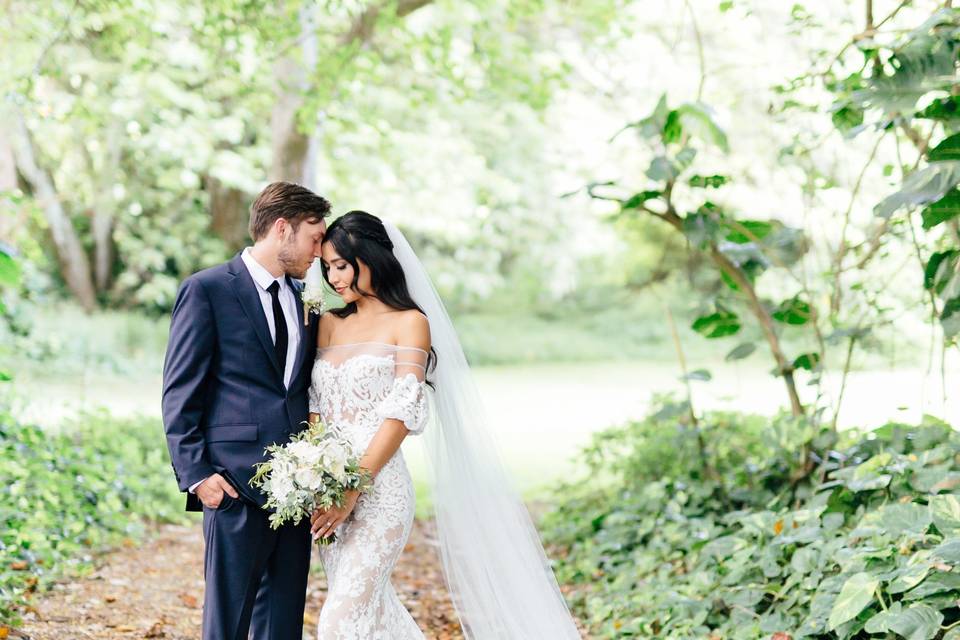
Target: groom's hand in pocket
pixel 212 489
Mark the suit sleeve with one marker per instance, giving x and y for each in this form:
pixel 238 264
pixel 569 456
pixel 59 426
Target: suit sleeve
pixel 185 374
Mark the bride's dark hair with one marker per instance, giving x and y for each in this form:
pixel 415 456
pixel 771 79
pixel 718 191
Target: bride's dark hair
pixel 358 235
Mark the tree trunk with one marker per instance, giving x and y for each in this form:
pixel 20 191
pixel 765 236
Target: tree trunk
pixel 74 265
pixel 228 213
pixel 104 208
pixel 294 152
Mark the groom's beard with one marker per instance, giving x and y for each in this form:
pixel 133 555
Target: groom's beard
pixel 288 260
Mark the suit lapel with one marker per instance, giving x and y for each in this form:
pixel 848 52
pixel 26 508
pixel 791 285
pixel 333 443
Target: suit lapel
pixel 246 290
pixel 302 350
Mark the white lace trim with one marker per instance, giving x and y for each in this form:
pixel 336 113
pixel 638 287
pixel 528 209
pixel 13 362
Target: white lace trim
pixel 407 402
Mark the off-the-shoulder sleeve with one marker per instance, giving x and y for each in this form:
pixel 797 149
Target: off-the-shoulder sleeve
pixel 407 400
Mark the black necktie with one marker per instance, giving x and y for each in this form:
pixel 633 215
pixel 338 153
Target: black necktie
pixel 280 326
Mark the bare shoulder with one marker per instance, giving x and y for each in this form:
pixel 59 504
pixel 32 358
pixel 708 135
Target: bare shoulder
pixel 413 329
pixel 327 322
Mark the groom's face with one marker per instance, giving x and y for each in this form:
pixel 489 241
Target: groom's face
pixel 301 246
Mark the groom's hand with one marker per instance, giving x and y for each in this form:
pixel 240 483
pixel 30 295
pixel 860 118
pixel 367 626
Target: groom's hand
pixel 212 489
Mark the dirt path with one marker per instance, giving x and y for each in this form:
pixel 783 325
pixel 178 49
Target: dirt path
pixel 156 591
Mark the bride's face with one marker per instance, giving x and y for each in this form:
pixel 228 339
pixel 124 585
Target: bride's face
pixel 340 274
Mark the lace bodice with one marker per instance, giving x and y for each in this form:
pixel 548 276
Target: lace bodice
pixel 355 387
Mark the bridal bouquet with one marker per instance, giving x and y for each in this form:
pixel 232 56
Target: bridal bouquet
pixel 314 470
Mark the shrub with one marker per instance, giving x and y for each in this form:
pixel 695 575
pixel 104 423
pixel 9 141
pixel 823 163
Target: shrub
pixel 73 493
pixel 865 545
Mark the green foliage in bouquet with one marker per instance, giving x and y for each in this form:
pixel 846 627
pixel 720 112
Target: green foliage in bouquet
pixel 313 471
pixel 715 531
pixel 69 495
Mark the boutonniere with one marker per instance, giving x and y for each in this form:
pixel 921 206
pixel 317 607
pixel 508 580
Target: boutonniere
pixel 313 302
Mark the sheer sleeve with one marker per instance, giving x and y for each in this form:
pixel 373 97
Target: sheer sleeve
pixel 407 400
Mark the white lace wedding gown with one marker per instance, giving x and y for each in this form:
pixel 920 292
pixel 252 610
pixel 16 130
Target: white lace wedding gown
pixel 355 387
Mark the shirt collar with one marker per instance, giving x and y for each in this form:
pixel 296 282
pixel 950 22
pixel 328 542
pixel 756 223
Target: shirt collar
pixel 260 275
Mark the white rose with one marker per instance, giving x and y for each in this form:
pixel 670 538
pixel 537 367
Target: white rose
pixel 309 478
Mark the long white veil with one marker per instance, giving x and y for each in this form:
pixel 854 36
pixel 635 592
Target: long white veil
pixel 494 564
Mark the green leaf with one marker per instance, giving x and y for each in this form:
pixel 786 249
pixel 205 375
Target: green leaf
pixel 638 199
pixel 950 318
pixel 948 149
pixel 661 169
pixel 745 231
pixel 881 621
pixel 709 182
pixel 919 622
pixel 939 268
pixel 946 208
pixel 9 270
pixel 717 325
pixel 699 374
pixel 847 117
pixel 941 109
pixel 922 187
pixel 948 550
pixel 945 511
pixel 910 518
pixel 672 128
pixel 909 578
pixel 5 376
pixel 730 282
pixel 937 582
pixel 808 361
pixel 697 119
pixel 702 227
pixel 740 351
pixel 857 592
pixel 793 311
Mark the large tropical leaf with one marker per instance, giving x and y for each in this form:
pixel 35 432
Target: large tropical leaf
pixel 922 187
pixel 857 592
pixel 923 64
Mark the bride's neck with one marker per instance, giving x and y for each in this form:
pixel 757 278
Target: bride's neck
pixel 369 306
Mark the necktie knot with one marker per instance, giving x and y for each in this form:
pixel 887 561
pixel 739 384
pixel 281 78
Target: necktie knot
pixel 274 288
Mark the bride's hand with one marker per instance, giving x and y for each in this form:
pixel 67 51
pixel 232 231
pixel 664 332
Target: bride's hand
pixel 324 523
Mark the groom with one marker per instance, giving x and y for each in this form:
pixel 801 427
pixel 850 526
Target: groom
pixel 235 380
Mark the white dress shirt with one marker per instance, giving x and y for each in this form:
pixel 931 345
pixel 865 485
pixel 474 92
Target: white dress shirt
pixel 288 302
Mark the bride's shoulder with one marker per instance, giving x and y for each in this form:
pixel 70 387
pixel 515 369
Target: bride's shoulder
pixel 327 322
pixel 413 329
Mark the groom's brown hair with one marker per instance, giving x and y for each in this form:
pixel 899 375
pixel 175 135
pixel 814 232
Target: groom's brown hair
pixel 287 200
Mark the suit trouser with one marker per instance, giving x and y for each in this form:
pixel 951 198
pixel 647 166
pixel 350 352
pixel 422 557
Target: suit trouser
pixel 256 577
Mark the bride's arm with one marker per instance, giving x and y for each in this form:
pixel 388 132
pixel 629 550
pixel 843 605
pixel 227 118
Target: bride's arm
pixel 414 333
pixel 323 339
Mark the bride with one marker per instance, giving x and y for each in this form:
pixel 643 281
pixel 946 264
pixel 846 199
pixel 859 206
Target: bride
pixel 377 358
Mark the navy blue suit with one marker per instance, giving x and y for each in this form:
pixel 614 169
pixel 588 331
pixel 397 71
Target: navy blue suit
pixel 224 401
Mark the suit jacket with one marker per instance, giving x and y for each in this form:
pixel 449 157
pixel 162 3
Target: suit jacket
pixel 224 400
